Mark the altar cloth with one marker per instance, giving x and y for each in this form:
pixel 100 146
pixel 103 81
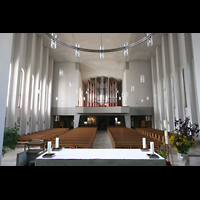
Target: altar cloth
pixel 100 157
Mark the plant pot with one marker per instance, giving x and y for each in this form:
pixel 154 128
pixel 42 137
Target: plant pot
pixel 183 159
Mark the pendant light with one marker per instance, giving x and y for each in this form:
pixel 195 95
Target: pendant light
pixel 101 49
pixel 53 41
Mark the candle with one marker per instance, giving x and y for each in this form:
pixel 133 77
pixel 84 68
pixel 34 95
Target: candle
pixel 144 143
pixel 49 147
pixel 165 132
pixel 152 147
pixel 57 142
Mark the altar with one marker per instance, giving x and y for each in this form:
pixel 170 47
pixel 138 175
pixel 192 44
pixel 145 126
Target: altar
pixel 100 157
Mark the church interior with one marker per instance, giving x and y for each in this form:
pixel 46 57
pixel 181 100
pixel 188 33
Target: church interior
pixel 109 93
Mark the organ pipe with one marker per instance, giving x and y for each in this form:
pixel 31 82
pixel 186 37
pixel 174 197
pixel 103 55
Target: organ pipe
pixel 90 94
pixel 102 92
pixel 115 92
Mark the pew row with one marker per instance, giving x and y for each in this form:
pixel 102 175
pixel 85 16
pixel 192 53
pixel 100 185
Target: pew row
pixel 153 133
pixel 82 137
pixel 128 138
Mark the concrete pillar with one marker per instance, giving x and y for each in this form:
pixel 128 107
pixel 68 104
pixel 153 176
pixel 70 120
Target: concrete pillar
pixel 160 86
pixel 195 37
pixel 188 92
pixel 175 76
pixel 6 40
pixel 168 111
pixel 44 87
pixel 30 62
pixel 18 61
pixel 128 120
pixel 76 120
pixel 155 95
pixel 49 94
pixel 38 83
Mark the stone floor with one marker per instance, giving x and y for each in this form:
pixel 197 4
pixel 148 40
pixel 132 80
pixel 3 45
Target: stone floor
pixel 102 141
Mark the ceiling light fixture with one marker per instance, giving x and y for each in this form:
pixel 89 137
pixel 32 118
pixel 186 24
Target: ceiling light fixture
pixel 77 52
pixel 126 49
pixel 149 40
pixel 53 41
pixel 101 49
pixel 148 37
pixel 101 52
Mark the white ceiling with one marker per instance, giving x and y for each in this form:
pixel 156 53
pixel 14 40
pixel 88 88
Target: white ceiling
pixel 90 63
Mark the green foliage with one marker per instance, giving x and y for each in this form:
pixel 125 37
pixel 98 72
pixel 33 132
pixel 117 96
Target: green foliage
pixel 183 136
pixel 161 153
pixel 11 137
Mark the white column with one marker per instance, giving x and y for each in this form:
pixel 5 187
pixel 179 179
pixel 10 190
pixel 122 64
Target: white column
pixel 18 60
pixel 76 120
pixel 196 63
pixel 30 62
pixel 168 111
pixel 6 40
pixel 155 95
pixel 37 93
pixel 50 82
pixel 175 76
pixel 159 86
pixel 186 57
pixel 44 86
pixel 127 120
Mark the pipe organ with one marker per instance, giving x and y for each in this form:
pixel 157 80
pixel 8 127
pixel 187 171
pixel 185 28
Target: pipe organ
pixel 102 91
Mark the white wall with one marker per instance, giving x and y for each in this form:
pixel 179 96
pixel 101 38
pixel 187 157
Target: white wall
pixel 142 90
pixel 29 53
pixel 174 55
pixel 196 64
pixel 5 58
pixel 67 96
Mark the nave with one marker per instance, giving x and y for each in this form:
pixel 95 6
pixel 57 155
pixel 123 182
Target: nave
pixel 102 141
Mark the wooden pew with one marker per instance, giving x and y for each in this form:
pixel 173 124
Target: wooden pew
pixel 82 137
pixel 122 137
pixel 42 135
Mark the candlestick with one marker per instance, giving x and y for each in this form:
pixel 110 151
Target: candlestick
pixel 57 142
pixel 152 147
pixel 49 147
pixel 144 143
pixel 165 132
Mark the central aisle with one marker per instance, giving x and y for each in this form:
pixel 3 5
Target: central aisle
pixel 102 140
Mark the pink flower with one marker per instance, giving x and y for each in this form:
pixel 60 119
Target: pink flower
pixel 72 147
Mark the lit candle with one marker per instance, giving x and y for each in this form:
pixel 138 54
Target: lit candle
pixel 57 142
pixel 152 147
pixel 165 132
pixel 144 143
pixel 49 147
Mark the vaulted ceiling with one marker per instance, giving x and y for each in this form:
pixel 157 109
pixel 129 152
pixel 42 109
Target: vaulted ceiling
pixel 90 63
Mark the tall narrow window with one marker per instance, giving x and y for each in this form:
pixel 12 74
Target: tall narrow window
pixel 39 92
pixel 173 94
pixel 46 99
pixel 21 86
pixel 142 78
pixel 32 89
pixel 183 76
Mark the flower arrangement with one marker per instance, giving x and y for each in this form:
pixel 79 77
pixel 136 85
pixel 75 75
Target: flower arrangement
pixel 181 143
pixel 183 136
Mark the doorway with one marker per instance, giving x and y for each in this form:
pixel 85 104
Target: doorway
pixel 63 121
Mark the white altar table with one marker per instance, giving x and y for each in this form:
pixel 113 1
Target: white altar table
pixel 100 157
